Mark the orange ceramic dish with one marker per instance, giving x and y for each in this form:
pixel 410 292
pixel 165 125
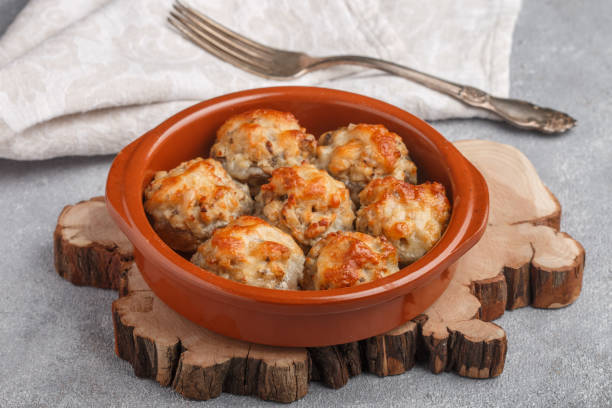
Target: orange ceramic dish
pixel 294 318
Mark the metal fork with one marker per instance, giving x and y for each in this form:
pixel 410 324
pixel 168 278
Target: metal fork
pixel 272 63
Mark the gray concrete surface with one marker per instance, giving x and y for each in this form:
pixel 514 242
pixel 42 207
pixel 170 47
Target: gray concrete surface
pixel 8 11
pixel 56 340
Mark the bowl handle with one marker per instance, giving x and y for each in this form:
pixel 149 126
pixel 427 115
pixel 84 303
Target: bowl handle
pixel 115 187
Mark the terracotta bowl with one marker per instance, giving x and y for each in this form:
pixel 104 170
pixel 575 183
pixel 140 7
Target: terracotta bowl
pixel 294 318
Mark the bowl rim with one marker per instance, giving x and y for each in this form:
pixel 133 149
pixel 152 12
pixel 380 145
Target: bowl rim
pixel 124 201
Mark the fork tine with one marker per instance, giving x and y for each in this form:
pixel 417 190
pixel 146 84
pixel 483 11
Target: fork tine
pixel 221 45
pixel 222 30
pixel 220 37
pixel 194 36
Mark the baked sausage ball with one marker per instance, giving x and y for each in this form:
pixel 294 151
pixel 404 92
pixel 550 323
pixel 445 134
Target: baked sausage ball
pixel 357 154
pixel 344 259
pixel 306 202
pixel 188 202
pixel 253 252
pixel 412 217
pixel 252 144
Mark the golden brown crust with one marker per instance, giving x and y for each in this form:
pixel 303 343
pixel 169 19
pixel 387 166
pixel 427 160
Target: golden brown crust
pixel 412 217
pixel 306 202
pixel 345 259
pixel 188 202
pixel 254 143
pixel 357 154
pixel 253 252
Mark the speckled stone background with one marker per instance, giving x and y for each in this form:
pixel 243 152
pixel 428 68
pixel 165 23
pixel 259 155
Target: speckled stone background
pixel 56 339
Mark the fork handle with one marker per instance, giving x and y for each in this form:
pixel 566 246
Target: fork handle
pixel 516 112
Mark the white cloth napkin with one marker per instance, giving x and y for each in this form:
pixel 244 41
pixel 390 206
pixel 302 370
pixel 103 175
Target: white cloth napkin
pixel 87 77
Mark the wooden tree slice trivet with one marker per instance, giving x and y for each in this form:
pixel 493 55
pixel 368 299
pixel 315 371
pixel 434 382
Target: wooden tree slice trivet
pixel 521 260
pixel 88 249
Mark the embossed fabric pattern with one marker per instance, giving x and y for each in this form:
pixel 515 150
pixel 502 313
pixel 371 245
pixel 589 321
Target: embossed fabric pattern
pixel 86 78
